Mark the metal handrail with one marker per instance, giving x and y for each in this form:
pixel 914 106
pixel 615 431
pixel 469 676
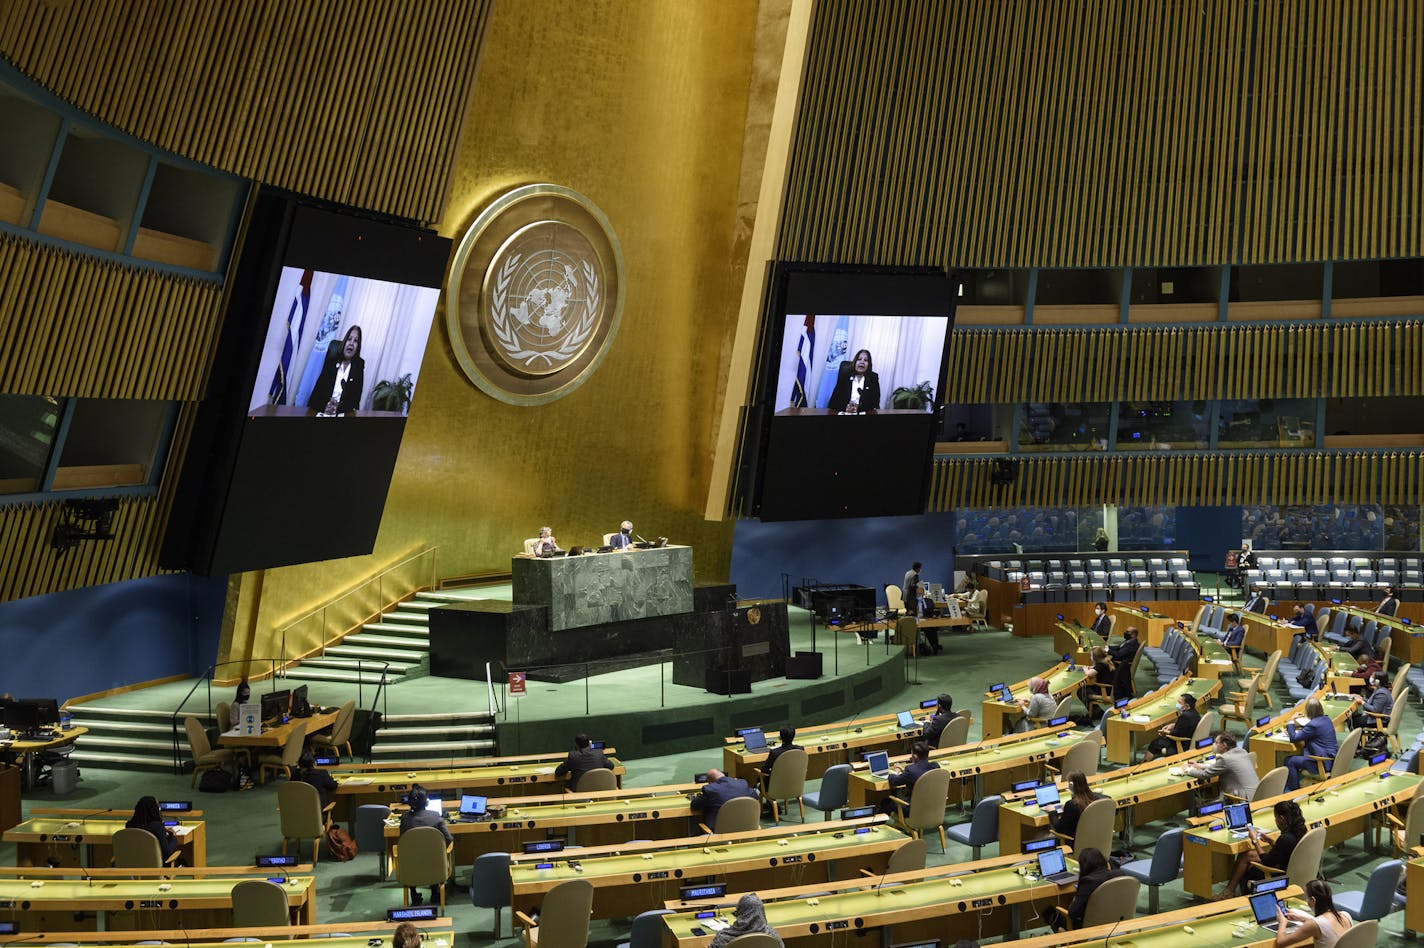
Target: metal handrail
pixel 383 603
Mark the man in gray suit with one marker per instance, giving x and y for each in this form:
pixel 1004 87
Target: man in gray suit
pixel 1232 764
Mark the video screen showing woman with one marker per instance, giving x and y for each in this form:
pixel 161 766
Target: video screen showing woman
pixel 855 365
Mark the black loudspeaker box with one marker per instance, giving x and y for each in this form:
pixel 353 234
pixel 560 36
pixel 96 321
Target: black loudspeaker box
pixel 805 665
pixel 731 681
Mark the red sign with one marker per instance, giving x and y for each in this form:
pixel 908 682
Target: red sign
pixel 517 683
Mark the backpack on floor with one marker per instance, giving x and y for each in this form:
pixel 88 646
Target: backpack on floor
pixel 215 781
pixel 340 845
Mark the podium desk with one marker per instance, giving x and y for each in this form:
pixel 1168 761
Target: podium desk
pixel 1345 805
pixel 629 879
pixel 601 818
pixel 841 743
pixel 503 777
pixel 78 841
pixel 599 588
pixel 1268 740
pixel 981 768
pixel 140 904
pixel 1140 794
pixel 1076 641
pixel 945 903
pixel 1001 717
pixel 1146 715
pixel 1213 923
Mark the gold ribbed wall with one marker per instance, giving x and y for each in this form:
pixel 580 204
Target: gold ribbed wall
pixel 1305 477
pixel 1173 364
pixel 356 101
pixel 1108 133
pixel 74 325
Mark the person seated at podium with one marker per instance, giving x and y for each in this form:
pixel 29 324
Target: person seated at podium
pixel 1235 632
pixel 902 779
pixel 1316 737
pixel 1080 794
pixel 1371 663
pixel 1093 870
pixel 415 815
pixel 1380 701
pixel 788 742
pixel 1124 651
pixel 934 725
pixel 338 388
pixel 1186 724
pixel 857 388
pixel 546 543
pixel 624 537
pixel 407 936
pixel 719 789
pixel 974 598
pixel 1257 602
pixel 583 758
pixel 147 816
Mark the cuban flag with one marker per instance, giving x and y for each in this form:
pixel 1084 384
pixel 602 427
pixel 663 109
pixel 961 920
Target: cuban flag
pixel 804 347
pixel 296 319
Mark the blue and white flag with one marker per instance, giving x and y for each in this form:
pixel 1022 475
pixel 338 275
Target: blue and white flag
pixel 805 347
pixel 296 319
pixel 835 355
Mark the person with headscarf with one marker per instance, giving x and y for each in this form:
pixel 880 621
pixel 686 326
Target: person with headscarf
pixel 147 816
pixel 1039 704
pixel 749 920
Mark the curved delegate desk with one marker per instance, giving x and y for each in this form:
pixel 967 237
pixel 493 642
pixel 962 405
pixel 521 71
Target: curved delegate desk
pixel 1229 922
pixel 840 743
pixel 1000 717
pixel 1346 805
pixel 945 903
pixel 1268 741
pixel 78 841
pixel 641 877
pixel 138 904
pixel 1147 714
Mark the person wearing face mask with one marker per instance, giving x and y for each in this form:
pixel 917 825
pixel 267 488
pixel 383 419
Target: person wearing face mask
pixel 624 537
pixel 1102 625
pixel 858 388
pixel 1186 724
pixel 338 388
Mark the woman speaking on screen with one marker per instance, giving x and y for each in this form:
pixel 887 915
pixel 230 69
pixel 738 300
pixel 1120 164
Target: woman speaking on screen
pixel 338 389
pixel 858 388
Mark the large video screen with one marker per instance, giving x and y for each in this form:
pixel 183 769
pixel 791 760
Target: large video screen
pixel 855 364
pixel 340 345
pixel 844 417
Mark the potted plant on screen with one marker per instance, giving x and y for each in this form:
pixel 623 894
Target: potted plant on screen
pixel 392 396
pixel 917 398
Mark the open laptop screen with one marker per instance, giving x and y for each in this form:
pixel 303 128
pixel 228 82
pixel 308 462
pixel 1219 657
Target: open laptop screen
pixel 1263 906
pixel 1050 862
pixel 907 720
pixel 1238 816
pixel 471 805
pixel 879 762
pixel 755 739
pixel 1046 795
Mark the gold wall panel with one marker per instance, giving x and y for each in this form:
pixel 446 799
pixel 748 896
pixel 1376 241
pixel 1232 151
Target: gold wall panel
pixel 1009 366
pixel 642 106
pixel 74 325
pixel 356 101
pixel 1187 479
pixel 1108 133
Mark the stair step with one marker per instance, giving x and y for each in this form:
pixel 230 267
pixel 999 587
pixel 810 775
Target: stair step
pixel 394 631
pixel 421 618
pixel 453 748
pixel 449 716
pixel 351 664
pixel 465 730
pixel 92 741
pixel 307 673
pixel 119 761
pixel 393 655
pixel 156 728
pixel 85 710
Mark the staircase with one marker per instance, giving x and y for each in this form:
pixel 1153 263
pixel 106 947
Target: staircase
pixel 128 738
pixel 433 736
pixel 400 637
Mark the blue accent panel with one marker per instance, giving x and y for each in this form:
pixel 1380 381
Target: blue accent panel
pixel 1208 532
pixel 86 640
pixel 871 551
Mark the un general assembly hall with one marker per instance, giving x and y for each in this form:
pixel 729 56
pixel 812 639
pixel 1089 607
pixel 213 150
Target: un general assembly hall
pixel 703 473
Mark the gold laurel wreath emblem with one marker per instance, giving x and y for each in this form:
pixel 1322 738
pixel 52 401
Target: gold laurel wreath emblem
pixel 508 339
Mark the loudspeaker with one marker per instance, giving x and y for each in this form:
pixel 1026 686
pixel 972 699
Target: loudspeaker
pixel 731 681
pixel 804 665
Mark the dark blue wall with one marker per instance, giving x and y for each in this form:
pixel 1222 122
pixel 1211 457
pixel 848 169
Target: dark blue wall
pixel 100 637
pixel 872 552
pixel 1208 532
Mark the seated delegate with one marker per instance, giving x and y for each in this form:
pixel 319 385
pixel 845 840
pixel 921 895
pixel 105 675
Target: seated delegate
pixel 934 725
pixel 1186 724
pixel 1291 829
pixel 788 742
pixel 417 815
pixel 718 790
pixel 583 758
pixel 147 816
pixel 1316 737
pixel 1232 764
pixel 903 779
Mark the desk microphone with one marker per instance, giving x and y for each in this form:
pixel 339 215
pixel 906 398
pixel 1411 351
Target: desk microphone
pixel 1112 931
pixel 878 890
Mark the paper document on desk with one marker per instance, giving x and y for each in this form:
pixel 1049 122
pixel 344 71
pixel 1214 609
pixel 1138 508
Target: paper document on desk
pixel 358 782
pixel 1141 718
pixel 1221 661
pixel 181 830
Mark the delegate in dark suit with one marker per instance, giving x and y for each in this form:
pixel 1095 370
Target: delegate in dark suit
pixel 418 816
pixel 326 381
pixel 717 791
pixel 776 752
pixel 1306 621
pixel 1317 739
pixel 580 761
pixel 934 727
pixel 869 392
pixel 1256 604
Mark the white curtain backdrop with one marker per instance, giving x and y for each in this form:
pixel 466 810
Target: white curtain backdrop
pixel 904 350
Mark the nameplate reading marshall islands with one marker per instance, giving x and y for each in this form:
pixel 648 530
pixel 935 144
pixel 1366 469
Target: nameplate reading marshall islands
pixel 535 294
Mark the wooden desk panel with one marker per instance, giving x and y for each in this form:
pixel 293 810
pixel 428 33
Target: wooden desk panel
pixel 274 738
pixel 535 778
pixel 140 904
pixel 1214 923
pixel 1268 741
pixel 61 841
pixel 828 745
pixel 1150 712
pixel 1000 718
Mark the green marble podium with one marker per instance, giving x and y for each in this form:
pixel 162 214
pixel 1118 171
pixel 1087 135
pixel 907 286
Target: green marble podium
pixel 599 588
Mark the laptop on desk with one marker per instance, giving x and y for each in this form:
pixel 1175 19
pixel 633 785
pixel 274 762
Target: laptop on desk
pixel 1046 796
pixel 754 740
pixel 1263 907
pixel 906 720
pixel 472 808
pixel 1238 818
pixel 1052 867
pixel 878 762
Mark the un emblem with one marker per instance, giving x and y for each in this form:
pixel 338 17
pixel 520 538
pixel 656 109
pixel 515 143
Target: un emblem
pixel 535 294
